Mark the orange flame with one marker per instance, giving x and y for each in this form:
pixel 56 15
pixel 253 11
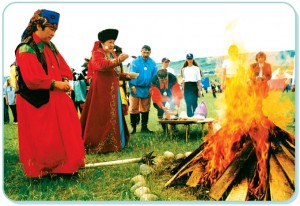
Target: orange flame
pixel 241 112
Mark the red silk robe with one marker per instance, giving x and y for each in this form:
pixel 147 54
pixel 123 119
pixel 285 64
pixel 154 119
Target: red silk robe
pixel 100 116
pixel 50 136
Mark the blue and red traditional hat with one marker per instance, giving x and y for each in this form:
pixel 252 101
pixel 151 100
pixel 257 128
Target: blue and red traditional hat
pixel 44 17
pixel 49 18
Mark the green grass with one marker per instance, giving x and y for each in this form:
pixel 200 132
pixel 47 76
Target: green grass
pixel 109 183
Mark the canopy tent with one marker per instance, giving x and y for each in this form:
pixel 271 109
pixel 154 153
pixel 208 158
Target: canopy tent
pixel 205 82
pixel 280 79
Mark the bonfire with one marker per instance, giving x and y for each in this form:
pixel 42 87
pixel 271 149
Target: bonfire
pixel 244 154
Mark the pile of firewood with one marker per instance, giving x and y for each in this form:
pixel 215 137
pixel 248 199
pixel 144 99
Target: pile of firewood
pixel 240 180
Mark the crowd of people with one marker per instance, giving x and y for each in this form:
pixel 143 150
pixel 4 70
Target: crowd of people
pixel 56 131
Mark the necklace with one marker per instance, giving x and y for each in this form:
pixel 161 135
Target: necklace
pixel 165 92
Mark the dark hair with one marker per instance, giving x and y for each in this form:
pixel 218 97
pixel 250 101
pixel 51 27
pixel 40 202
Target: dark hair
pixel 185 64
pixel 32 28
pixel 162 73
pixel 259 54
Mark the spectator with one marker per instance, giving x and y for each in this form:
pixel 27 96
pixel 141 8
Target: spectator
pixel 165 65
pixel 49 130
pixel 78 93
pixel 140 99
pixel 213 88
pixel 10 99
pixel 5 106
pixel 230 65
pixel 288 86
pixel 123 85
pixel 192 83
pixel 165 88
pixel 87 78
pixel 293 81
pixel 260 74
pixel 218 86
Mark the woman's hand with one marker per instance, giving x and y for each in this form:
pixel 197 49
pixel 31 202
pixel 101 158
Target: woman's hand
pixel 132 75
pixel 122 57
pixel 62 86
pixel 199 93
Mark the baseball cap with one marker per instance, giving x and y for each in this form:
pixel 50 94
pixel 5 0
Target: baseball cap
pixel 189 56
pixel 165 59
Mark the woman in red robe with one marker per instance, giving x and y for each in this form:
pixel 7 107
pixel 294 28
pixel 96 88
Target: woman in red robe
pixel 103 124
pixel 49 134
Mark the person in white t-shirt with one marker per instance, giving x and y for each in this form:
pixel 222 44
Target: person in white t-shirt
pixel 165 65
pixel 230 66
pixel 191 84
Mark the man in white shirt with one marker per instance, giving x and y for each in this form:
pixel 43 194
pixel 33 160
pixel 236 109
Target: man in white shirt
pixel 165 65
pixel 230 65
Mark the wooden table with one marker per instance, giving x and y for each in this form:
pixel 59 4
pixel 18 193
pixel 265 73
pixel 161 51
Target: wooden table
pixel 187 124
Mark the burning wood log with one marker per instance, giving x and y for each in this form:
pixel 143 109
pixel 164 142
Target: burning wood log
pixel 283 138
pixel 280 188
pixel 194 179
pixel 180 170
pixel 280 167
pixel 240 189
pixel 287 165
pixel 290 155
pixel 189 158
pixel 219 188
pixel 247 138
pixel 284 135
pixel 239 192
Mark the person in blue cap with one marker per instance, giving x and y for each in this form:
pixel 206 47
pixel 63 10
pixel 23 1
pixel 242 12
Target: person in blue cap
pixel 140 99
pixel 191 83
pixel 49 129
